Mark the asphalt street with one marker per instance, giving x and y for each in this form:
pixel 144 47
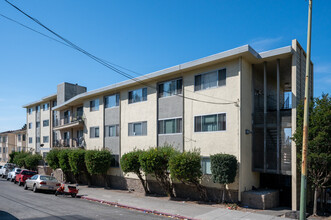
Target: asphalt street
pixel 17 203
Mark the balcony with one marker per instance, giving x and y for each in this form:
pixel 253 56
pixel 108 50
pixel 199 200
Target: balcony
pixel 71 142
pixel 68 122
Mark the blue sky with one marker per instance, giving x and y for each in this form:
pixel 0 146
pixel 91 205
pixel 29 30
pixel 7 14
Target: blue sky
pixel 144 36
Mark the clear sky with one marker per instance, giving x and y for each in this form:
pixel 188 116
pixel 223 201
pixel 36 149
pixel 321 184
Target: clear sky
pixel 144 36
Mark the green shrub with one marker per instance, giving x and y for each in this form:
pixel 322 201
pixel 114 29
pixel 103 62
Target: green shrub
pixel 186 167
pixel 224 169
pixel 77 163
pixel 130 164
pixel 19 159
pixel 64 160
pixel 98 162
pixel 12 156
pixel 155 161
pixel 32 161
pixel 52 158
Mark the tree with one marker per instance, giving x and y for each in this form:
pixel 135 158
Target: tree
pixel 12 155
pixel 19 159
pixel 186 167
pixel 64 161
pixel 32 161
pixel 130 164
pixel 98 162
pixel 52 158
pixel 77 164
pixel 319 143
pixel 223 169
pixel 155 161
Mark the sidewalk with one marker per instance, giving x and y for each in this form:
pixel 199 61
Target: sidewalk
pixel 167 207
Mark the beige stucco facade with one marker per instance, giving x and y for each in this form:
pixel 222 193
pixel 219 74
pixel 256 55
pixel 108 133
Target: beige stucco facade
pixel 236 99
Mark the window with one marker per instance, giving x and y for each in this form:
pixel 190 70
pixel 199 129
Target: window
pixel 205 165
pixel 170 88
pixel 0 139
pixel 54 103
pixel 19 137
pixel 45 107
pixel 4 150
pixel 30 125
pixel 210 80
pixel 45 139
pixel 112 101
pixel 94 132
pixel 215 122
pixel 287 100
pixel 38 108
pixel 80 112
pixel 30 140
pixel 138 129
pixel 4 139
pixel 38 139
pixel 112 131
pixel 0 149
pixel 45 123
pixel 170 126
pixel 37 124
pixel 23 137
pixel 94 105
pixel 115 161
pixel 30 111
pixel 138 95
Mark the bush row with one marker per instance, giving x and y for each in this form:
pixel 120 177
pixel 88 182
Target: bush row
pixel 26 160
pixel 167 164
pixel 80 162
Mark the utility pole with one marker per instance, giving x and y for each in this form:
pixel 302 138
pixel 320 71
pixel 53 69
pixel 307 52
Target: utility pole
pixel 305 123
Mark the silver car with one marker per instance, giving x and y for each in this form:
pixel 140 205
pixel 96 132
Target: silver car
pixel 42 182
pixel 12 174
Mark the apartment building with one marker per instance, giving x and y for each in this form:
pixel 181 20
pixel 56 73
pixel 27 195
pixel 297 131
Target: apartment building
pixel 239 102
pixel 11 141
pixel 42 120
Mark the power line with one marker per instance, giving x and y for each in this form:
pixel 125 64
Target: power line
pixel 106 63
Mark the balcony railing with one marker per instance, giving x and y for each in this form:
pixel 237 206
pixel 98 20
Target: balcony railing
pixel 68 120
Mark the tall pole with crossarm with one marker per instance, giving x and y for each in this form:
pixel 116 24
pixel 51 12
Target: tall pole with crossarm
pixel 305 122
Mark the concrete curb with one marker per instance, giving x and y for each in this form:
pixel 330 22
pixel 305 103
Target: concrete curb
pixel 115 204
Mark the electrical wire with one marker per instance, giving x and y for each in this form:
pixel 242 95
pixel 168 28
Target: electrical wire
pixel 101 61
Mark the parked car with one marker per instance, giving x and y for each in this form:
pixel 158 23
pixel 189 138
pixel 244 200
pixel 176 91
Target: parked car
pixel 24 175
pixel 42 182
pixel 11 175
pixel 6 169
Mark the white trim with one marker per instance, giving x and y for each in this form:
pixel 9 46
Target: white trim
pixel 161 119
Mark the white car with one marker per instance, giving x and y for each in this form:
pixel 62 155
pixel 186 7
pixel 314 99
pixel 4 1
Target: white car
pixel 6 169
pixel 12 174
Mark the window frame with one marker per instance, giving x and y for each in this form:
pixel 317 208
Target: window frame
pixel 94 108
pixel 47 120
pixel 217 122
pixel 205 73
pixel 135 123
pixel 165 119
pixel 94 131
pixel 117 101
pixel 46 138
pixel 142 95
pixel 117 130
pixel 45 105
pixel 30 140
pixel 176 89
pixel 204 167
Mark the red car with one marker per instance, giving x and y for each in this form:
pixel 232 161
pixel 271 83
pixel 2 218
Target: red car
pixel 24 175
